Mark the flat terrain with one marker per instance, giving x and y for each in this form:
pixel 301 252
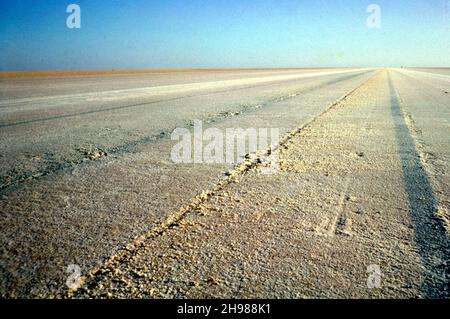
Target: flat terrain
pixel 86 178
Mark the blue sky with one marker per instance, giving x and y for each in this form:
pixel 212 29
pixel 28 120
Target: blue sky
pixel 135 34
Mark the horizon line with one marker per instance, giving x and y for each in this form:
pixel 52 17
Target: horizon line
pixel 81 72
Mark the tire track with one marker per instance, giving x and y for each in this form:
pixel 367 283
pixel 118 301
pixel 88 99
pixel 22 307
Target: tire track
pixel 13 178
pixel 427 158
pixel 93 277
pixel 431 236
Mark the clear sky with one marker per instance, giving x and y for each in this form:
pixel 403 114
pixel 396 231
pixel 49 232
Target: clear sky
pixel 135 34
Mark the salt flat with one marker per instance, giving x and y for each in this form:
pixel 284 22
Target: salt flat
pixel 59 207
